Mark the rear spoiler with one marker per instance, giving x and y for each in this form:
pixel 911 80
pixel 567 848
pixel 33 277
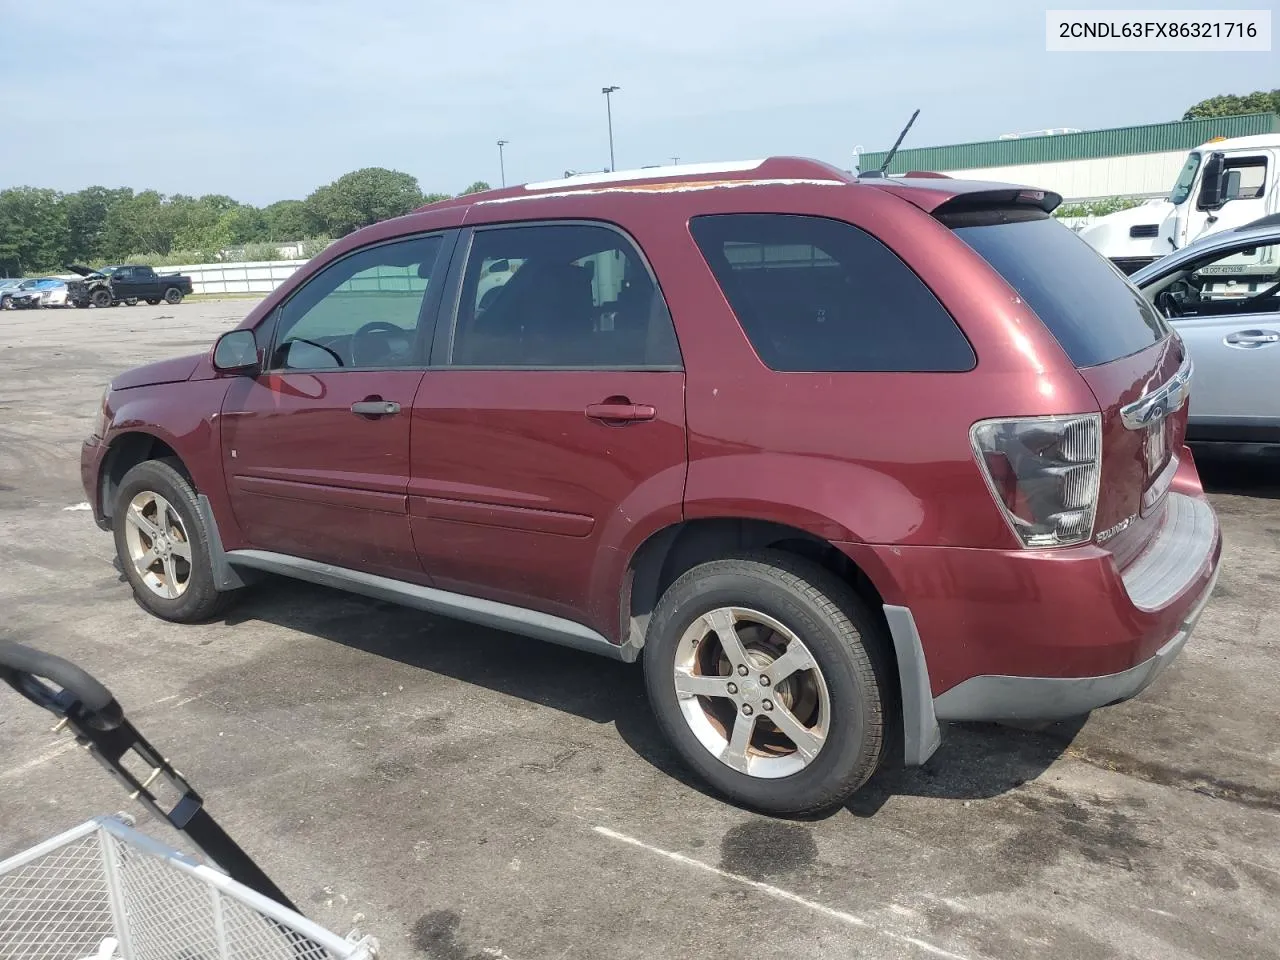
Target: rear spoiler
pixel 1004 198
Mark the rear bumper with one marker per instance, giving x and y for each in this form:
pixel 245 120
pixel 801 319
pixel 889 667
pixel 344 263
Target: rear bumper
pixel 1056 698
pixel 1043 635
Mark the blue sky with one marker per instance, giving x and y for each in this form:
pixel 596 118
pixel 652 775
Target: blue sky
pixel 267 99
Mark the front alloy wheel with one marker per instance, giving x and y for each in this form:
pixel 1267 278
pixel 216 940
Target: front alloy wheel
pixel 159 545
pixel 752 693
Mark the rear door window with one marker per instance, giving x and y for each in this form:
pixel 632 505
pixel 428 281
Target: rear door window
pixel 1092 309
pixel 820 295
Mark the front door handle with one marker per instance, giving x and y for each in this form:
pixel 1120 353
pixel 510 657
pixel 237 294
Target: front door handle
pixel 375 408
pixel 620 410
pixel 1251 338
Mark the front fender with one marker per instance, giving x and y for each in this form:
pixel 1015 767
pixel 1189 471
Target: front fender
pixel 186 417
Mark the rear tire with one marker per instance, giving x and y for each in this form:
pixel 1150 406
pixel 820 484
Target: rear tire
pixel 173 296
pixel 831 692
pixel 131 301
pixel 153 300
pixel 163 545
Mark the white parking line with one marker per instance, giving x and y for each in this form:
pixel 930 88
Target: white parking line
pixel 778 893
pixel 39 759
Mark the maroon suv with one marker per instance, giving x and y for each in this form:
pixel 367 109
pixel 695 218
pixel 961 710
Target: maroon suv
pixel 840 459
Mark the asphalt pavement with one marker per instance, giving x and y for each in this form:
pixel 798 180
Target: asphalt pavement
pixel 465 794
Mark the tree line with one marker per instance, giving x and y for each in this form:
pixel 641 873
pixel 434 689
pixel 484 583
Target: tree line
pixel 1233 105
pixel 42 230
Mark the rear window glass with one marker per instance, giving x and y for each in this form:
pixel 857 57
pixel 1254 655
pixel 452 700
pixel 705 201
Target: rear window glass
pixel 1087 304
pixel 820 295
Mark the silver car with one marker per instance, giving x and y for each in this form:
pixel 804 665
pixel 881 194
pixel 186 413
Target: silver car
pixel 1222 295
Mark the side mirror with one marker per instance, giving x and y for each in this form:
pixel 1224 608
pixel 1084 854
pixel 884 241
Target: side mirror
pixel 1213 185
pixel 1232 191
pixel 236 352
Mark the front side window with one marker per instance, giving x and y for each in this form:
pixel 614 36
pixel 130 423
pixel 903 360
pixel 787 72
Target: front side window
pixel 1187 177
pixel 820 295
pixel 560 295
pixel 1246 178
pixel 1238 280
pixel 359 312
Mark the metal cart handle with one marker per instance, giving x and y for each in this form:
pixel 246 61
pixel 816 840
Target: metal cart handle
pixel 96 720
pixel 25 669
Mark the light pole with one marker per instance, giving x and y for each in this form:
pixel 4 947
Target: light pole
pixel 675 161
pixel 502 167
pixel 608 106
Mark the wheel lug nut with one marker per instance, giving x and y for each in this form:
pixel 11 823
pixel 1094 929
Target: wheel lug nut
pixel 742 670
pixel 733 688
pixel 746 709
pixel 764 681
pixel 768 704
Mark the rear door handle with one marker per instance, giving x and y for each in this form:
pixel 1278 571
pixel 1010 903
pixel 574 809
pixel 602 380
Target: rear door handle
pixel 620 412
pixel 375 408
pixel 1252 338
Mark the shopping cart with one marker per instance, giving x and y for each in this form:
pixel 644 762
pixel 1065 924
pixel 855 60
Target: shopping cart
pixel 104 891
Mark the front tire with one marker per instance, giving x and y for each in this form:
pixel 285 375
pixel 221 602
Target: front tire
pixel 100 298
pixel 173 296
pixel 163 545
pixel 768 674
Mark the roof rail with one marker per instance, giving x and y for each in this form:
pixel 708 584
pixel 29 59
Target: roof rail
pixel 772 168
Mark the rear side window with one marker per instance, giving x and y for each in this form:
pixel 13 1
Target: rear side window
pixel 820 295
pixel 1087 304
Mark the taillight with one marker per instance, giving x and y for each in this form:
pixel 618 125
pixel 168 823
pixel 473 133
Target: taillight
pixel 1043 473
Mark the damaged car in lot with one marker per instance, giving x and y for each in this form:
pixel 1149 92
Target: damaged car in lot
pixel 125 283
pixel 38 292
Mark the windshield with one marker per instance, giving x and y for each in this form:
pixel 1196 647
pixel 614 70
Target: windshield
pixel 1087 304
pixel 1182 188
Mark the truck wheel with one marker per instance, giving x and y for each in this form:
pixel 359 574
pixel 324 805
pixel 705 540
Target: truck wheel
pixel 100 298
pixel 153 300
pixel 768 675
pixel 173 295
pixel 131 301
pixel 162 544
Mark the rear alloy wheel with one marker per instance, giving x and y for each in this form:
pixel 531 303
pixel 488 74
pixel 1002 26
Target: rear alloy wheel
pixel 100 298
pixel 173 296
pixel 162 543
pixel 767 673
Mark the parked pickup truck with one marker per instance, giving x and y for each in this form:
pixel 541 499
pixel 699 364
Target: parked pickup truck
pixel 111 285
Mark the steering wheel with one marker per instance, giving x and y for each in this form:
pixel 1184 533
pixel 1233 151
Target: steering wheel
pixel 368 330
pixel 1168 304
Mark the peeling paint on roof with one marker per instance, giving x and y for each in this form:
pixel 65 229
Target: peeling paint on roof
pixel 648 173
pixel 684 186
